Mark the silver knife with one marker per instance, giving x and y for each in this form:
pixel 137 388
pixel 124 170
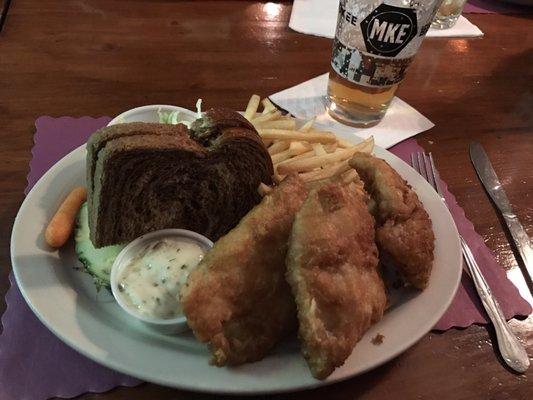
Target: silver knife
pixel 495 190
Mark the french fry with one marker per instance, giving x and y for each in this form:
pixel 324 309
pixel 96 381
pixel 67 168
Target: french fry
pixel 366 146
pixel 251 108
pixel 344 169
pixel 296 148
pixel 350 176
pixel 308 154
pixel 284 123
pixel 271 115
pixel 311 163
pixel 267 105
pixel 278 178
pixel 315 162
pixel 344 143
pixel 312 137
pixel 308 125
pixel 333 170
pixel 263 189
pixel 319 149
pixel 311 153
pixel 278 147
pixel 330 148
pixel 281 156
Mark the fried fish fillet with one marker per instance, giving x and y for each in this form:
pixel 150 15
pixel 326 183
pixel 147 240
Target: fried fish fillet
pixel 332 270
pixel 237 299
pixel 404 234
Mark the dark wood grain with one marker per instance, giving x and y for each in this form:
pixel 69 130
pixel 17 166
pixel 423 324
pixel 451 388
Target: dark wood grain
pixel 102 57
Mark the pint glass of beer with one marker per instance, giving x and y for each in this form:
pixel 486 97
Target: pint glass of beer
pixel 374 44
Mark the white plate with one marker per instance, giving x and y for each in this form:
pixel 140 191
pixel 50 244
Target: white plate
pixel 65 300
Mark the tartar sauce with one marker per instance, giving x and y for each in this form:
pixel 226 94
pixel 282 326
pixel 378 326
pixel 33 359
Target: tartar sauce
pixel 151 281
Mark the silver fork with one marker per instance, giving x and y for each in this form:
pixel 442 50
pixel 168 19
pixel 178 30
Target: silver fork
pixel 511 349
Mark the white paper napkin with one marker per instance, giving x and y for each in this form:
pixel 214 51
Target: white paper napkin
pixel 306 100
pixel 319 17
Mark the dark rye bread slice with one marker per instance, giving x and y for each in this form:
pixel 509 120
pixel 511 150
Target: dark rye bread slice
pixel 152 176
pixel 99 139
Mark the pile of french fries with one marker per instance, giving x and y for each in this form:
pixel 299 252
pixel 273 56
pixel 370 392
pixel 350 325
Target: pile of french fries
pixel 311 153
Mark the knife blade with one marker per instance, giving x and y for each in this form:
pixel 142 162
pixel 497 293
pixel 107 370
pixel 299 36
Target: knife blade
pixel 494 188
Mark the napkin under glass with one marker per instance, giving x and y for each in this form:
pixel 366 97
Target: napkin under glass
pixel 307 100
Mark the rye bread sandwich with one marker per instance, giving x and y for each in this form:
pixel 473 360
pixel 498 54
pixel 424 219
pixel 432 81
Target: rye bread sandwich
pixel 143 177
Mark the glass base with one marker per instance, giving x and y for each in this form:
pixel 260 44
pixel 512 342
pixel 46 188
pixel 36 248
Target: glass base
pixel 351 117
pixel 444 21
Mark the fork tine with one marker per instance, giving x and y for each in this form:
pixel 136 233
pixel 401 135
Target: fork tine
pixel 422 165
pixel 414 164
pixel 436 177
pixel 429 170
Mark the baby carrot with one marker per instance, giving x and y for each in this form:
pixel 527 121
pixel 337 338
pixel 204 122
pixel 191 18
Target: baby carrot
pixel 62 223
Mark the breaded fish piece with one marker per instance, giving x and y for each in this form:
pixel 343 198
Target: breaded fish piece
pixel 404 234
pixel 332 267
pixel 237 299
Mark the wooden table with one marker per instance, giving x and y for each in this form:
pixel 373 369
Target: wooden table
pixel 102 57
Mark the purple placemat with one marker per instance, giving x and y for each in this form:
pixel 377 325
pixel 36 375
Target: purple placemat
pixel 35 365
pixel 495 7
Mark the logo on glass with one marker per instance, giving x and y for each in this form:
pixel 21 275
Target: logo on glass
pixel 388 29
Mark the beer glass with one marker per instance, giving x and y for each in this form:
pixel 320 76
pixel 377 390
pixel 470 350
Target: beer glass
pixel 374 44
pixel 448 14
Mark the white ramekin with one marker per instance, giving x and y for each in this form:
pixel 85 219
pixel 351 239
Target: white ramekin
pixel 166 326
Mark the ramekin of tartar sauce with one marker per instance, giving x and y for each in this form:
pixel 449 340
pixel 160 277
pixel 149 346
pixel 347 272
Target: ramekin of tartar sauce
pixel 148 273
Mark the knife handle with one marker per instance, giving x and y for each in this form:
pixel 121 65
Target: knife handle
pixel 521 240
pixel 511 349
